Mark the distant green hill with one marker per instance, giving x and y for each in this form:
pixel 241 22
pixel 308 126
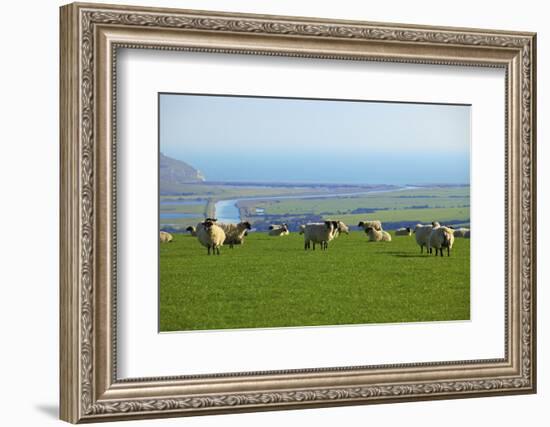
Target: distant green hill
pixel 175 172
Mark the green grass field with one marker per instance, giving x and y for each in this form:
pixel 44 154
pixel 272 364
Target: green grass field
pixel 273 282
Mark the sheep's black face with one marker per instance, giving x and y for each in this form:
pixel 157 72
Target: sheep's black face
pixel 208 224
pixel 247 225
pixel 361 224
pixel 408 229
pixel 368 229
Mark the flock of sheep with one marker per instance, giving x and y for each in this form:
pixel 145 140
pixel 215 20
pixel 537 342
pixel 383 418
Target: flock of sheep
pixel 212 234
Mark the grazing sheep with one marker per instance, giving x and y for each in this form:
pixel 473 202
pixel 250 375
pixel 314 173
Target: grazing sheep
pixel 165 237
pixel 377 235
pixel 321 233
pixel 278 230
pixel 341 228
pixel 192 230
pixel 422 235
pixel 338 228
pixel 441 237
pixel 377 225
pixel 460 232
pixel 404 231
pixel 211 236
pixel 235 233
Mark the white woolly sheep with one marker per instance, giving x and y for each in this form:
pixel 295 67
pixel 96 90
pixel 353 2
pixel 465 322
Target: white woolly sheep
pixel 460 232
pixel 441 237
pixel 321 233
pixel 235 233
pixel 165 237
pixel 377 225
pixel 192 230
pixel 422 235
pixel 377 235
pixel 403 231
pixel 278 230
pixel 210 236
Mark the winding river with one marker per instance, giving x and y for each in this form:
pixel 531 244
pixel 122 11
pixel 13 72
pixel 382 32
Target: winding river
pixel 226 211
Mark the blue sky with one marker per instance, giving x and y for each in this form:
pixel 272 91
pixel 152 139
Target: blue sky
pixel 296 140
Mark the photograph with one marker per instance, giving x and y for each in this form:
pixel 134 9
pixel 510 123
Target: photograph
pixel 295 212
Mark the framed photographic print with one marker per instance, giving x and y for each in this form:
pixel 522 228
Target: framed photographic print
pixel 266 212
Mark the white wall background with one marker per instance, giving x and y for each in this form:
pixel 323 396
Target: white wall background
pixel 29 170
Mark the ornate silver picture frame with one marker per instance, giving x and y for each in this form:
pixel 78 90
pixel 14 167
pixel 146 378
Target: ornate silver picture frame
pixel 91 36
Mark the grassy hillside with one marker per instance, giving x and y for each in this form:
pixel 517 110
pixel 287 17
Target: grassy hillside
pixel 273 282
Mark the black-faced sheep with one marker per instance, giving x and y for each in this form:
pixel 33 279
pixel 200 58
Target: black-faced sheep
pixel 377 225
pixel 441 237
pixel 210 236
pixel 235 233
pixel 404 231
pixel 278 230
pixel 192 230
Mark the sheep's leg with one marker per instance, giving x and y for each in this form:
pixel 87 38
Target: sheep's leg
pixel 218 249
pixel 208 250
pixel 421 249
pixel 448 251
pixel 441 251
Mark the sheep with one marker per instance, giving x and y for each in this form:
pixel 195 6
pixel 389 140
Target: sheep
pixel 192 230
pixel 278 230
pixel 467 234
pixel 165 237
pixel 377 235
pixel 422 235
pixel 338 228
pixel 235 233
pixel 377 225
pixel 441 237
pixel 302 228
pixel 403 231
pixel 341 228
pixel 321 233
pixel 210 235
pixel 461 232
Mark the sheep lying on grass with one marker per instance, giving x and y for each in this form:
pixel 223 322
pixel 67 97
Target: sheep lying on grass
pixel 377 235
pixel 441 237
pixel 278 230
pixel 165 237
pixel 322 233
pixel 235 233
pixel 210 236
pixel 461 232
pixel 377 225
pixel 404 231
pixel 192 230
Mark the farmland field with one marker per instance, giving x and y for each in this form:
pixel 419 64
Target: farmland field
pixel 273 282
